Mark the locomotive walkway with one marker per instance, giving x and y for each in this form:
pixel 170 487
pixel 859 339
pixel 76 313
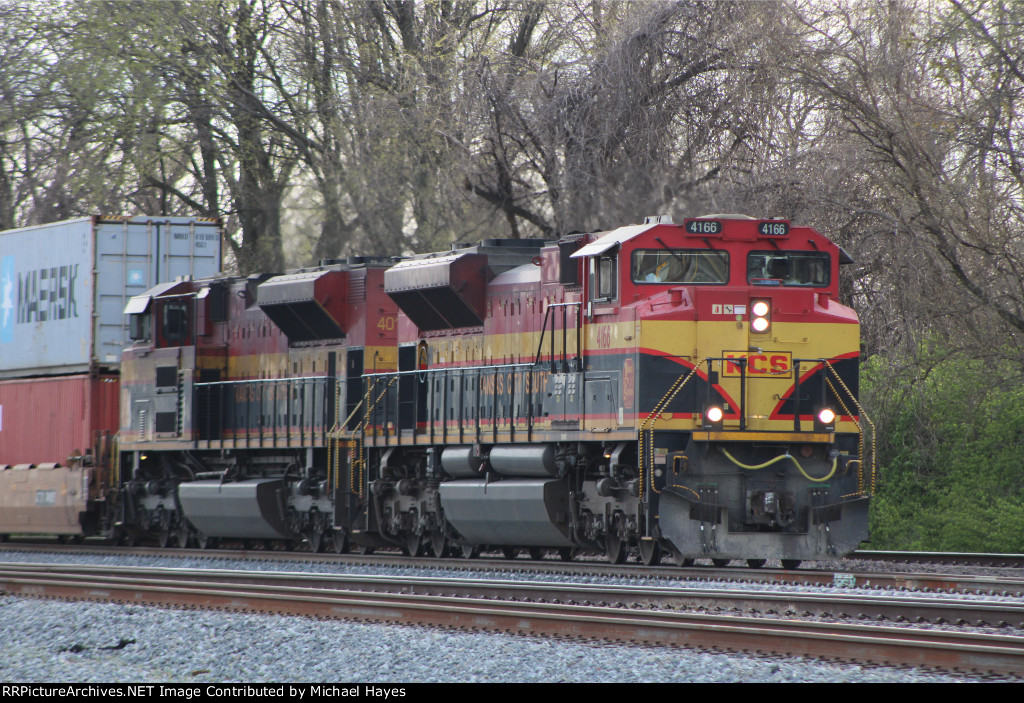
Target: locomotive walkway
pixel 648 615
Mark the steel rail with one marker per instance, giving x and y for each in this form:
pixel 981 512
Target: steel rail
pixel 996 560
pixel 939 649
pixel 955 583
pixel 959 558
pixel 898 608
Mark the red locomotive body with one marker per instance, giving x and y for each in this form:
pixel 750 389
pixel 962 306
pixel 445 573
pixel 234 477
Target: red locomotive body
pixel 579 392
pixel 689 389
pixel 234 388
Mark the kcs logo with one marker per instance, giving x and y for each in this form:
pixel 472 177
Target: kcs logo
pixel 775 364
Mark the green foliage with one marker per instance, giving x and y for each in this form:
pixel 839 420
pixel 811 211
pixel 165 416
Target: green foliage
pixel 951 455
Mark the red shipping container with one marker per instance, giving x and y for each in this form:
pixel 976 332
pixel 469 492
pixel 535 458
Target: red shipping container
pixel 47 419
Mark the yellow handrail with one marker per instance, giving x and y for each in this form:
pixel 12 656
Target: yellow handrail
pixel 864 416
pixel 648 425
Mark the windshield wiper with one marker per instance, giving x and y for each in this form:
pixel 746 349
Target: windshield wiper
pixel 682 264
pixel 718 252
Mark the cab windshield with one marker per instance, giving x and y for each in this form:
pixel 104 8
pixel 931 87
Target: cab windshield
pixel 788 268
pixel 680 266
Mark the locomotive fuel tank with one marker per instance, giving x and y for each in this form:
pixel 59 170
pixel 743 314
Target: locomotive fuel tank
pixel 521 512
pixel 252 508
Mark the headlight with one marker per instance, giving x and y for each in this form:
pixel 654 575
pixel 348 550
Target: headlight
pixel 825 420
pixel 760 316
pixel 713 418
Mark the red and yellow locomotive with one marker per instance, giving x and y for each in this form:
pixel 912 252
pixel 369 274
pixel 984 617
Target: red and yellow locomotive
pixel 683 388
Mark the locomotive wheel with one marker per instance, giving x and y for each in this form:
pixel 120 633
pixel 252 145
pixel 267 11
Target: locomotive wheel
pixel 721 563
pixel 413 545
pixel 130 539
pixel 680 560
pixel 163 537
pixel 510 552
pixel 114 537
pixel 615 549
pixel 790 563
pixel 756 563
pixel 339 541
pixel 204 542
pixel 537 553
pixel 316 540
pixel 650 552
pixel 566 553
pixel 182 536
pixel 439 545
pixel 469 551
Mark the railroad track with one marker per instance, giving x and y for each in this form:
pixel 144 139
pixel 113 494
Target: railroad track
pixel 995 560
pixel 953 583
pixel 1015 561
pixel 908 608
pixel 643 615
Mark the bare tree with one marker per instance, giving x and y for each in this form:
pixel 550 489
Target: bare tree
pixel 617 112
pixel 928 98
pixel 19 87
pixel 388 78
pixel 56 159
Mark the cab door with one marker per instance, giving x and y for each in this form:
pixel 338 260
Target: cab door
pixel 173 358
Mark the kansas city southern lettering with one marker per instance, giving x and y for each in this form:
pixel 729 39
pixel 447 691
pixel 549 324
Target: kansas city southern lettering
pixel 777 364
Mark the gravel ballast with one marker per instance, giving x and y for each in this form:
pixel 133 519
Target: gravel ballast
pixel 55 641
pixel 52 641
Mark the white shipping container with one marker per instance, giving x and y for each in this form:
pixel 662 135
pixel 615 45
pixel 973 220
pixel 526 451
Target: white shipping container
pixel 63 286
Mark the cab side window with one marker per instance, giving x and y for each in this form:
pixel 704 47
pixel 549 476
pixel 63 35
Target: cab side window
pixel 605 277
pixel 174 328
pixel 141 326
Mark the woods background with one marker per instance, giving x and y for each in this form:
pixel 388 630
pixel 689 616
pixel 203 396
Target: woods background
pixel 317 129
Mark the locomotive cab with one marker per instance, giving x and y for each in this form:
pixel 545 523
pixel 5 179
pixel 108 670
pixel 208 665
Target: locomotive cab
pixel 157 371
pixel 746 370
